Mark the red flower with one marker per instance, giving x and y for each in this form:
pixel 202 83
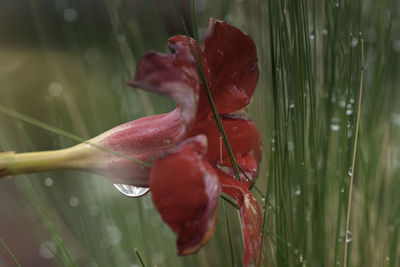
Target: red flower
pixel 191 165
pixel 187 178
pixel 186 181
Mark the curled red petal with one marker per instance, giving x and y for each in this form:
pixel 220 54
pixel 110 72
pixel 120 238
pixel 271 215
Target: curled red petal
pixel 244 139
pixel 250 214
pixel 185 190
pixel 231 60
pixel 174 75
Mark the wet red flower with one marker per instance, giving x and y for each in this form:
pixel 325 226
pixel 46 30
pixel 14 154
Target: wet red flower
pixel 187 178
pixel 186 181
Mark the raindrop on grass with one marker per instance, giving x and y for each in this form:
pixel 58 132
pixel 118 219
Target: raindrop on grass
pixel 335 127
pixel 291 106
pixel 48 181
pixel 47 250
pixel 92 55
pixel 297 190
pixel 74 201
pixel 114 235
pixel 55 89
pixel 325 32
pixel 350 171
pixel 354 42
pixel 349 237
pixel 342 190
pixel 70 15
pixel 131 191
pixel 349 112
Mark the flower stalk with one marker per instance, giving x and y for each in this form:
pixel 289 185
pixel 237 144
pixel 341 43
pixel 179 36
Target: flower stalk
pixel 12 163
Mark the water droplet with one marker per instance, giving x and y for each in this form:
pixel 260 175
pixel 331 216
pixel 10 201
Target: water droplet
pixel 395 119
pixel 70 15
pixel 48 181
pixel 312 37
pixel 121 38
pixel 131 191
pixel 396 45
pixel 297 190
pixel 157 258
pixel 74 201
pixel 114 235
pixel 291 106
pixel 349 112
pixel 349 237
pixel 335 127
pixel 342 103
pixel 290 145
pixel 47 250
pixel 325 32
pixel 55 89
pixel 354 42
pixel 92 55
pixel 200 5
pixel 337 4
pixel 94 210
pixel 342 190
pixel 350 171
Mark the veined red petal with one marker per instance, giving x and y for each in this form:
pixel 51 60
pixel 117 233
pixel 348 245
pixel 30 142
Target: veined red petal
pixel 243 136
pixel 174 75
pixel 231 59
pixel 144 139
pixel 250 214
pixel 185 190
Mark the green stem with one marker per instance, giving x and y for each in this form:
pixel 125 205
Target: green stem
pixel 12 163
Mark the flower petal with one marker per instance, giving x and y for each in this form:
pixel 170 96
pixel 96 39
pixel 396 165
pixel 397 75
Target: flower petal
pixel 231 60
pixel 144 139
pixel 174 75
pixel 243 136
pixel 185 190
pixel 250 214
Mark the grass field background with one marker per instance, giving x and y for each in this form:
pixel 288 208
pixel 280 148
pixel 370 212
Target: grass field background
pixel 65 63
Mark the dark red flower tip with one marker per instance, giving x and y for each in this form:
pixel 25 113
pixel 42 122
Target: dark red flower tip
pixel 174 75
pixel 250 214
pixel 185 190
pixel 232 72
pixel 243 136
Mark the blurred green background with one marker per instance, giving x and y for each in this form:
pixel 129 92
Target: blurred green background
pixel 65 63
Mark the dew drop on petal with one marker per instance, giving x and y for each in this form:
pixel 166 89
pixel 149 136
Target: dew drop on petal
pixel 131 191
